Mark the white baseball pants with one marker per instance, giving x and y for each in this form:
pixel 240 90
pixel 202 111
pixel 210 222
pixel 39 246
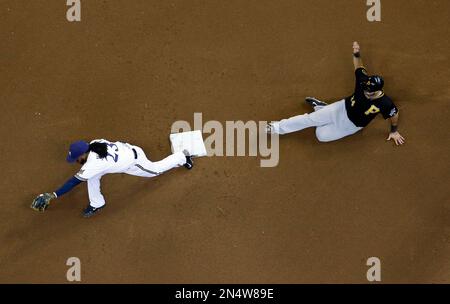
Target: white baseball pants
pixel 147 168
pixel 331 122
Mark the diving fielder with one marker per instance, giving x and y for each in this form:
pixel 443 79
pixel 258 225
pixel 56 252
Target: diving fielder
pixel 348 116
pixel 100 157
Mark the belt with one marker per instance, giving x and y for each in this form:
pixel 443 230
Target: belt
pixel 135 153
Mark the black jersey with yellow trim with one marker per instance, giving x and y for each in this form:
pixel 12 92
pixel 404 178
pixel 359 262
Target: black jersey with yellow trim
pixel 360 109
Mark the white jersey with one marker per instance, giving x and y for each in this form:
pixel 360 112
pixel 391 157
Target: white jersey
pixel 120 158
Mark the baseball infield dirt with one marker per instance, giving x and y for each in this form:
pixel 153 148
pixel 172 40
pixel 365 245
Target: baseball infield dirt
pixel 129 69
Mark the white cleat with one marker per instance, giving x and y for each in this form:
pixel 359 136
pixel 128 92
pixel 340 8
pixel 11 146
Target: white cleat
pixel 270 128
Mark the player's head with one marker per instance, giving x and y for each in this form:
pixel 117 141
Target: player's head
pixel 373 86
pixel 78 152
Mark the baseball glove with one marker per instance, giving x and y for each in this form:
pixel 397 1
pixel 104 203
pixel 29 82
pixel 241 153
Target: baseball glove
pixel 41 202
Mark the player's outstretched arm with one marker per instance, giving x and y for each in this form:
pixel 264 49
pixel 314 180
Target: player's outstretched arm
pixel 69 185
pixel 394 134
pixel 357 61
pixel 41 202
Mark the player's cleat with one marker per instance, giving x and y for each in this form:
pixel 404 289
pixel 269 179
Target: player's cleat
pixel 270 128
pixel 314 102
pixel 189 163
pixel 90 211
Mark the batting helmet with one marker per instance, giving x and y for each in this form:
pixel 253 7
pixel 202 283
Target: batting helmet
pixel 373 83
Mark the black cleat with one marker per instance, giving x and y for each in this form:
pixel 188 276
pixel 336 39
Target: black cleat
pixel 314 102
pixel 189 163
pixel 90 211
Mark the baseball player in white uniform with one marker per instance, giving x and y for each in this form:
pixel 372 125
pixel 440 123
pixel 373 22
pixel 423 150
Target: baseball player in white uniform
pixel 100 157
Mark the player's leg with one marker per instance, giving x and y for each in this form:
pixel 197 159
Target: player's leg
pixel 331 132
pixel 146 168
pixel 341 126
pixel 96 198
pixel 172 161
pixel 300 122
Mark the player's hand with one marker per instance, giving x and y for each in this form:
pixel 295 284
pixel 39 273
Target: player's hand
pixel 398 139
pixel 41 202
pixel 356 47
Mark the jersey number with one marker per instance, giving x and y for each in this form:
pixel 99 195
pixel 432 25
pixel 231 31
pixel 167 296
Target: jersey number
pixel 372 110
pixel 115 157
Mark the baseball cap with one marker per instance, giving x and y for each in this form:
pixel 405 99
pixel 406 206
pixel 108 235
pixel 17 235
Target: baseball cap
pixel 77 149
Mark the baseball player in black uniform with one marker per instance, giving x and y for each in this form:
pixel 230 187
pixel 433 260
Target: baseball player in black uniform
pixel 348 116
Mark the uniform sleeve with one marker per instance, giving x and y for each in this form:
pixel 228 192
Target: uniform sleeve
pixel 388 109
pixel 361 74
pixel 91 168
pixel 69 185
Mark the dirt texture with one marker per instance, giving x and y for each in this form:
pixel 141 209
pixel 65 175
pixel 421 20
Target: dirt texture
pixel 131 68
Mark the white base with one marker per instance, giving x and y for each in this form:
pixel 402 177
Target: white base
pixel 191 141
